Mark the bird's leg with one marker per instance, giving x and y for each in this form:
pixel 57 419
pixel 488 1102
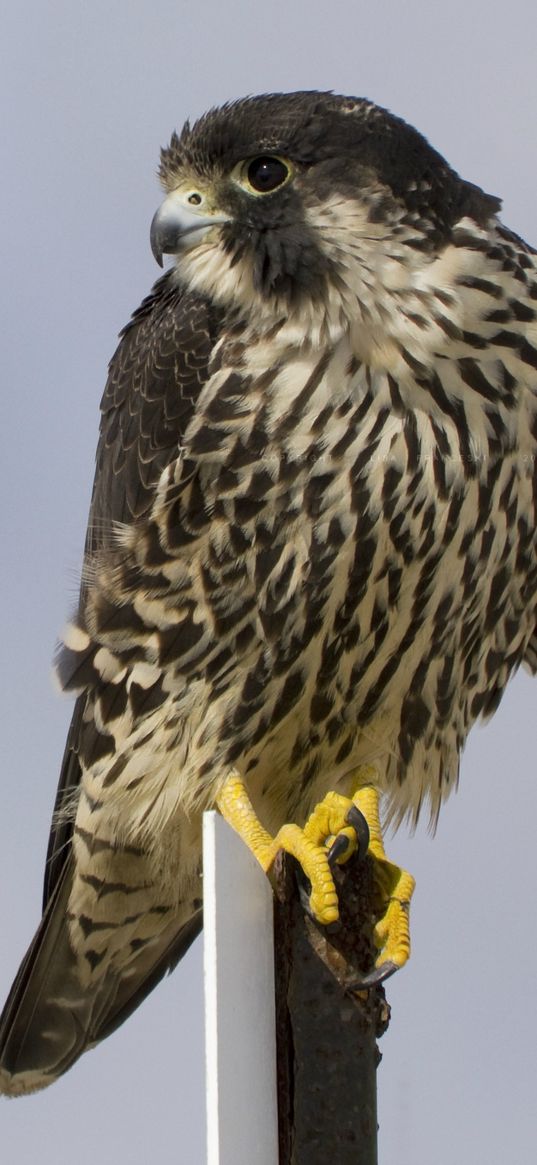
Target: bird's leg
pixel 236 807
pixel 394 886
pixel 337 828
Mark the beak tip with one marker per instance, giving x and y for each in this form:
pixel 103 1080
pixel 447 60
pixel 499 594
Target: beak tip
pixel 156 239
pixel 172 224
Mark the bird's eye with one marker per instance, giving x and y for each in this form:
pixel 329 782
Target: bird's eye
pixel 266 173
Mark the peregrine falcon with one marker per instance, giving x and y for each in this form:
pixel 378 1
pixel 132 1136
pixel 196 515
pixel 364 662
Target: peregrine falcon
pixel 311 558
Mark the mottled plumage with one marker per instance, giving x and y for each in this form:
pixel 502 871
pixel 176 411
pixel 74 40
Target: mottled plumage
pixel 312 534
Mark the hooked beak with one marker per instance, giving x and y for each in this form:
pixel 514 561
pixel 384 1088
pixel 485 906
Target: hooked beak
pixel 177 226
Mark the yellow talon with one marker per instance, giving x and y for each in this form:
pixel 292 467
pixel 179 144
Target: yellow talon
pixel 394 886
pixel 235 805
pixel 327 824
pixel 328 821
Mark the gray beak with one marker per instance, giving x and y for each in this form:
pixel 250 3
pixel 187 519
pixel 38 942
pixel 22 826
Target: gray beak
pixel 175 227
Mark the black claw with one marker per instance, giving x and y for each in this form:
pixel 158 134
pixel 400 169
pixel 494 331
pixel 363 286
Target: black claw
pixel 374 978
pixel 356 818
pixel 332 927
pixel 339 846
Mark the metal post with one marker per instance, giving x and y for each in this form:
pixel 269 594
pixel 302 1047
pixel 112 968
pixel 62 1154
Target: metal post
pixel 291 1047
pixel 326 1033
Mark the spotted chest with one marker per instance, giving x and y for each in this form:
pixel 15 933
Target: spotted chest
pixel 340 564
pixel 335 570
pixel 391 595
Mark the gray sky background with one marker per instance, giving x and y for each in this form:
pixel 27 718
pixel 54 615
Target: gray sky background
pixel 89 92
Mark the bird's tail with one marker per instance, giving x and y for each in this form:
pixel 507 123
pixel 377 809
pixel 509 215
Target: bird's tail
pixel 50 1017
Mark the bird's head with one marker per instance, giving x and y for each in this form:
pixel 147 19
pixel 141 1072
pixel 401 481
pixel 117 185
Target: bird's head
pixel 306 197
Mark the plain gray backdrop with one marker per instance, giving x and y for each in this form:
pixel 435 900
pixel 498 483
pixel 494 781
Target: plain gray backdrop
pixel 89 93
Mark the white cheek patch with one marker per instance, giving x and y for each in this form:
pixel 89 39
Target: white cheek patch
pixel 209 269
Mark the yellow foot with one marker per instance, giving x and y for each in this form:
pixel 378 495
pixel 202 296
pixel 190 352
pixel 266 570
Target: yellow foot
pixel 394 888
pixel 338 827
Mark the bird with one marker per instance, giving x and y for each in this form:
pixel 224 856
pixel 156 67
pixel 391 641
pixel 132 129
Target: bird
pixel 310 563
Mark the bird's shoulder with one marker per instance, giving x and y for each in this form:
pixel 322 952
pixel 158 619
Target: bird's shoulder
pixel 154 379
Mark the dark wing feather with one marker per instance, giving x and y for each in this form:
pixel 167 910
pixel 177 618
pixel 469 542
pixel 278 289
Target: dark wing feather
pixel 61 829
pixel 154 379
pixel 153 382
pixel 530 658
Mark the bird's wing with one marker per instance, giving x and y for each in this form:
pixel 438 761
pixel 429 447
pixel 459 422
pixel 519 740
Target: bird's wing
pixel 530 658
pixel 154 379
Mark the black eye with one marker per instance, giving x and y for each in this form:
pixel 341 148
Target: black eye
pixel 266 173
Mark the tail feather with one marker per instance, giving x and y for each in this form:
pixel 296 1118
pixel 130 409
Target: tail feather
pixel 50 1018
pixel 131 992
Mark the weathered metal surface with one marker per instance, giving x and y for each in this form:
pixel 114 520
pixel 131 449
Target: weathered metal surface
pixel 327 1031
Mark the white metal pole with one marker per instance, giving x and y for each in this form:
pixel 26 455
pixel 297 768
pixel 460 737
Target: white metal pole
pixel 240 1037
